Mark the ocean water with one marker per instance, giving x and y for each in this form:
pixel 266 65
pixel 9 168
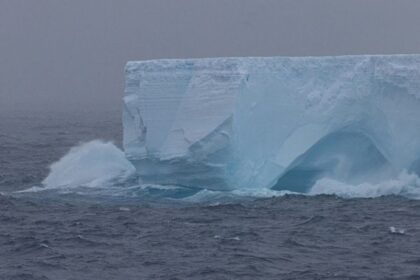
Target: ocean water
pixel 72 208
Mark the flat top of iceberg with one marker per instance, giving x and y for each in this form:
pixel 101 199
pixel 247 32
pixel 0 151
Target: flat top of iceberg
pixel 164 63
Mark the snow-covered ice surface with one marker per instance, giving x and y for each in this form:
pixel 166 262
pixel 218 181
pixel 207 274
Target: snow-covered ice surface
pixel 278 122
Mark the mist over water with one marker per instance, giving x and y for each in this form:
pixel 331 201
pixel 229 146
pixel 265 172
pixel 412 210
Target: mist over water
pixel 93 164
pixel 30 141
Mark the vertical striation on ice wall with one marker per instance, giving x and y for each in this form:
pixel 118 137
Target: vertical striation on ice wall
pixel 280 122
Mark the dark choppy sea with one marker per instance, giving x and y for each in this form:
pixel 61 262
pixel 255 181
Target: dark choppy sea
pixel 75 234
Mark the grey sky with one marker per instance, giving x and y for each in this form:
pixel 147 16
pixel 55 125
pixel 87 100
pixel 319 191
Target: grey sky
pixel 70 54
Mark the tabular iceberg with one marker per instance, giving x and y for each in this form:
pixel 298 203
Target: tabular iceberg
pixel 275 122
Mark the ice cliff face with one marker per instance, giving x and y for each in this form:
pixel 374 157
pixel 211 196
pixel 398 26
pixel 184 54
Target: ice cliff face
pixel 276 122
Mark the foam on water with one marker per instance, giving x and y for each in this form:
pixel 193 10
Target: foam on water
pixel 100 168
pixel 406 184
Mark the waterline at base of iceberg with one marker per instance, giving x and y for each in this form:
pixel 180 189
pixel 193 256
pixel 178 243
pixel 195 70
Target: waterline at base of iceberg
pixel 99 170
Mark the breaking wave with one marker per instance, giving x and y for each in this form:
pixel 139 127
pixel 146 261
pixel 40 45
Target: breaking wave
pixel 100 168
pixel 94 164
pixel 406 184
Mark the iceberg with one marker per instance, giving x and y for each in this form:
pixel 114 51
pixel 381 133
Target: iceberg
pixel 272 122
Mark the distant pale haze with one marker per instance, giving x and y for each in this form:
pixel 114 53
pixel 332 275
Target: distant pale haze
pixel 69 55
